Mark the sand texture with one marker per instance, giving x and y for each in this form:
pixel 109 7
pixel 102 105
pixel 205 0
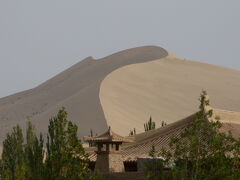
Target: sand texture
pixel 77 89
pixel 168 90
pixel 122 90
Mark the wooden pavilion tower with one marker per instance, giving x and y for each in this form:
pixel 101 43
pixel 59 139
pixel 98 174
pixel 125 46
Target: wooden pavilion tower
pixel 109 156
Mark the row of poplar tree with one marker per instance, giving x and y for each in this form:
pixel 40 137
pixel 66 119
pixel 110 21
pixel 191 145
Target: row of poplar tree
pixel 201 151
pixel 61 157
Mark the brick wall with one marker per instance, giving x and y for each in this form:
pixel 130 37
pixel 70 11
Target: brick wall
pixel 116 162
pixel 109 162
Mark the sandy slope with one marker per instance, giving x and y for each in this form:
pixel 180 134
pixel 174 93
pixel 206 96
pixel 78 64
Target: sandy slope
pixel 167 89
pixel 77 89
pixel 123 90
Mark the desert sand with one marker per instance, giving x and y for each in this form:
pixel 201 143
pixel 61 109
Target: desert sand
pixel 122 90
pixel 166 89
pixel 77 89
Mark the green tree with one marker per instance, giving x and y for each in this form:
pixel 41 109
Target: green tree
pixel 150 125
pixel 152 152
pixel 12 155
pixel 164 123
pixel 132 132
pixel 2 170
pixel 66 158
pixel 202 151
pixel 34 154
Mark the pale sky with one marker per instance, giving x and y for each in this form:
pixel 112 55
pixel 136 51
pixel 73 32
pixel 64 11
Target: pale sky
pixel 39 39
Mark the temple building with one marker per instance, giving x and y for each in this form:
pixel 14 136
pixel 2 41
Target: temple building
pixel 114 153
pixel 109 151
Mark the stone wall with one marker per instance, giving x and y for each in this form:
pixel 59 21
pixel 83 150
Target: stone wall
pixel 116 162
pixel 109 162
pixel 102 163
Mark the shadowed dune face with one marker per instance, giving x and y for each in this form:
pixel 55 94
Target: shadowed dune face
pixel 123 90
pixel 77 89
pixel 167 89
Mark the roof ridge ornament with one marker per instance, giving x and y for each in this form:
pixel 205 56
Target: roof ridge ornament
pixel 108 136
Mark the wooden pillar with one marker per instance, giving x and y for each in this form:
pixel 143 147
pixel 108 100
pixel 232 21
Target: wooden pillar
pixel 107 147
pixel 99 147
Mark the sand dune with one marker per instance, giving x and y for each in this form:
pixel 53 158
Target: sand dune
pixel 123 90
pixel 77 89
pixel 167 89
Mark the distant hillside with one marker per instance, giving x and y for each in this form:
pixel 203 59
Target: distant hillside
pixel 123 90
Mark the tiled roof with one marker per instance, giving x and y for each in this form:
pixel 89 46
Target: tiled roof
pixel 161 137
pixel 108 136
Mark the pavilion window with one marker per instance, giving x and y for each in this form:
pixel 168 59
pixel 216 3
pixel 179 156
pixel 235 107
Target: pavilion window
pixel 117 147
pixel 109 157
pixel 107 147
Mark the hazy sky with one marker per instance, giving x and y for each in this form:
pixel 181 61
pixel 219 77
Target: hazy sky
pixel 40 38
